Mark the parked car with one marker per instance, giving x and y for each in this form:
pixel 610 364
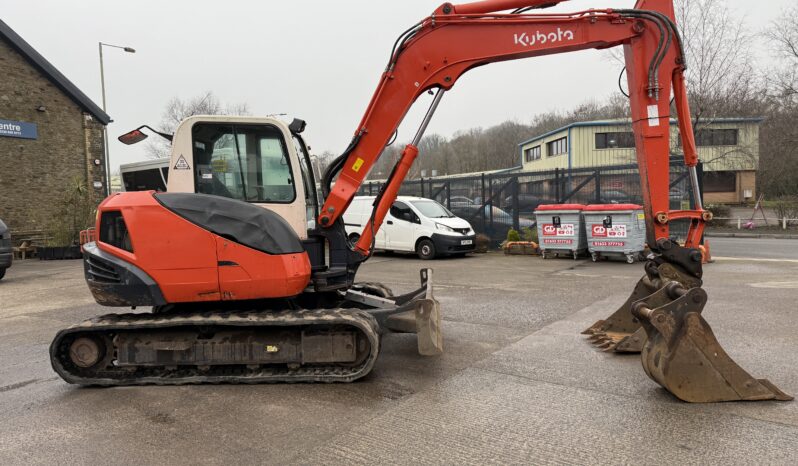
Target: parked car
pixel 461 200
pixel 6 249
pixel 413 224
pixel 527 203
pixel 616 196
pixel 498 228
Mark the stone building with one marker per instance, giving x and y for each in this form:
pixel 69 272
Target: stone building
pixel 51 137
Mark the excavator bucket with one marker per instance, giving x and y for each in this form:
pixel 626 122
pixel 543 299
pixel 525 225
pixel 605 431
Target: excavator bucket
pixel 621 332
pixel 682 354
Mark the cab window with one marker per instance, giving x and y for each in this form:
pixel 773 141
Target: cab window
pixel 246 162
pixel 311 210
pixel 401 211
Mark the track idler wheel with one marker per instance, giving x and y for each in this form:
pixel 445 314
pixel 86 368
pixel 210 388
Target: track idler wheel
pixel 683 355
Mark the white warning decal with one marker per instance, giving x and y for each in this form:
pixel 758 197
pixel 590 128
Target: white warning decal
pixel 653 115
pixel 182 164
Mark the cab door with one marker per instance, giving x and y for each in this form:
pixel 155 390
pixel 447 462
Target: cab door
pixel 244 158
pixel 400 225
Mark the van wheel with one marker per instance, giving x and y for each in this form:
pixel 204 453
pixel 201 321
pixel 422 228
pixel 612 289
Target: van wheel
pixel 353 238
pixel 425 249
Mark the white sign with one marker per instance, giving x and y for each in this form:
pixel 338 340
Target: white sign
pixel 565 229
pixel 616 231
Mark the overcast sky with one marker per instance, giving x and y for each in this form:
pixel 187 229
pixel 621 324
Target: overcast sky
pixel 317 60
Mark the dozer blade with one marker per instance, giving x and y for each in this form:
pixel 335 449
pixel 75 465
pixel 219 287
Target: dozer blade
pixel 415 312
pixel 621 332
pixel 683 355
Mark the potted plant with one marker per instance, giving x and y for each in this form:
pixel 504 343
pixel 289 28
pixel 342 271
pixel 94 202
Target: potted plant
pixel 75 212
pixel 524 243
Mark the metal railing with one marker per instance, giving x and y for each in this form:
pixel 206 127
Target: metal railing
pixel 496 202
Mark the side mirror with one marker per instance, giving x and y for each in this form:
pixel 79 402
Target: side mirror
pixel 133 137
pixel 136 136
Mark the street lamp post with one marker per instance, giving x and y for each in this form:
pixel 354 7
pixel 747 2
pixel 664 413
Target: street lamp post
pixel 107 164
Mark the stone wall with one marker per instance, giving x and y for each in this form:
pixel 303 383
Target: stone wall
pixel 34 173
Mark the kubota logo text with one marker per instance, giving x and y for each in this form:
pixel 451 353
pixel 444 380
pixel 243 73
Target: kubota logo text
pixel 542 38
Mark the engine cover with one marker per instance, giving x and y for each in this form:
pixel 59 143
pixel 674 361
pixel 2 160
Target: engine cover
pixel 155 249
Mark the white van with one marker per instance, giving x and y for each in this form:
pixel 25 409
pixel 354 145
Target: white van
pixel 413 224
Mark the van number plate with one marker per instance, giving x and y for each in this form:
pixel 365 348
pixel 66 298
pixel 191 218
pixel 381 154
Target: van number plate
pixel 466 241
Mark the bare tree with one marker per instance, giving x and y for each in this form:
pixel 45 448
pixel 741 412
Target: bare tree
pixel 177 110
pixel 783 35
pixel 720 69
pixel 778 168
pixel 721 77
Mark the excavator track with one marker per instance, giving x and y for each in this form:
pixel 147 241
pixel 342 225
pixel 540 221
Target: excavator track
pixel 321 345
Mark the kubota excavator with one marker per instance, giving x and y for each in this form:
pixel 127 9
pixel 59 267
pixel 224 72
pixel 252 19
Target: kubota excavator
pixel 251 280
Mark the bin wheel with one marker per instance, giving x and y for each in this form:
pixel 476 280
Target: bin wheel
pixel 594 256
pixel 556 254
pixel 630 259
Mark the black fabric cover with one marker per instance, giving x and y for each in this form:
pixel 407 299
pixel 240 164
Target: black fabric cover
pixel 239 221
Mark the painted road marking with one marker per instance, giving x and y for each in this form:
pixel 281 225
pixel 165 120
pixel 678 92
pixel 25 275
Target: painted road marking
pixel 754 259
pixel 778 285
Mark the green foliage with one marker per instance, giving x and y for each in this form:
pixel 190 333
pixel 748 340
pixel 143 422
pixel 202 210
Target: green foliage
pixel 512 235
pixel 529 234
pixel 75 212
pixel 719 210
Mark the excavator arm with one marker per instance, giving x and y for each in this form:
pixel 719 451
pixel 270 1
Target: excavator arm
pixel 456 38
pixel 662 318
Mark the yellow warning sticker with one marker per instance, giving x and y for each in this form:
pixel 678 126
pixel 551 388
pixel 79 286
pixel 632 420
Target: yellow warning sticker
pixel 358 163
pixel 641 216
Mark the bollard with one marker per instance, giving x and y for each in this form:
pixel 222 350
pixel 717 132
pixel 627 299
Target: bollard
pixel 784 223
pixel 739 223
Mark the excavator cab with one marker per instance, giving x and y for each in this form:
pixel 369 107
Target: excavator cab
pixel 255 160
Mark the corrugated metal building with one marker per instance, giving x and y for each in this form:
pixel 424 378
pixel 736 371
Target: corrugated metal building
pixel 728 147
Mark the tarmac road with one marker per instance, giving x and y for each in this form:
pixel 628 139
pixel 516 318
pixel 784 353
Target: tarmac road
pixel 517 383
pixel 757 248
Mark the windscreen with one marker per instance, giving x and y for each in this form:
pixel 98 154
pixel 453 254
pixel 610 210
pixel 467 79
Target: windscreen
pixel 432 209
pixel 245 162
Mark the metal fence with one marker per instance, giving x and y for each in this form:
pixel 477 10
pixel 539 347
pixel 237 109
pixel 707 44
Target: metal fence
pixel 496 202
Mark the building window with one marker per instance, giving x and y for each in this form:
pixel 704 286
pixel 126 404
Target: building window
pixel 625 139
pixel 720 182
pixel 532 153
pixel 716 137
pixel 557 147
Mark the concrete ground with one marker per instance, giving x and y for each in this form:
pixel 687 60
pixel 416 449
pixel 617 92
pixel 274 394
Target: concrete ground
pixel 517 383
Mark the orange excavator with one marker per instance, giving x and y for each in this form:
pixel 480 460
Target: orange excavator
pixel 251 280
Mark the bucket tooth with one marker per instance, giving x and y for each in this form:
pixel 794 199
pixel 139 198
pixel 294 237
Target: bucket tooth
pixel 682 354
pixel 622 326
pixel 620 323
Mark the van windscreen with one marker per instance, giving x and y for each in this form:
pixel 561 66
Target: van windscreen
pixel 432 209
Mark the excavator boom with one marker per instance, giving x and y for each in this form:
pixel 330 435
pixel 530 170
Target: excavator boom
pixel 437 51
